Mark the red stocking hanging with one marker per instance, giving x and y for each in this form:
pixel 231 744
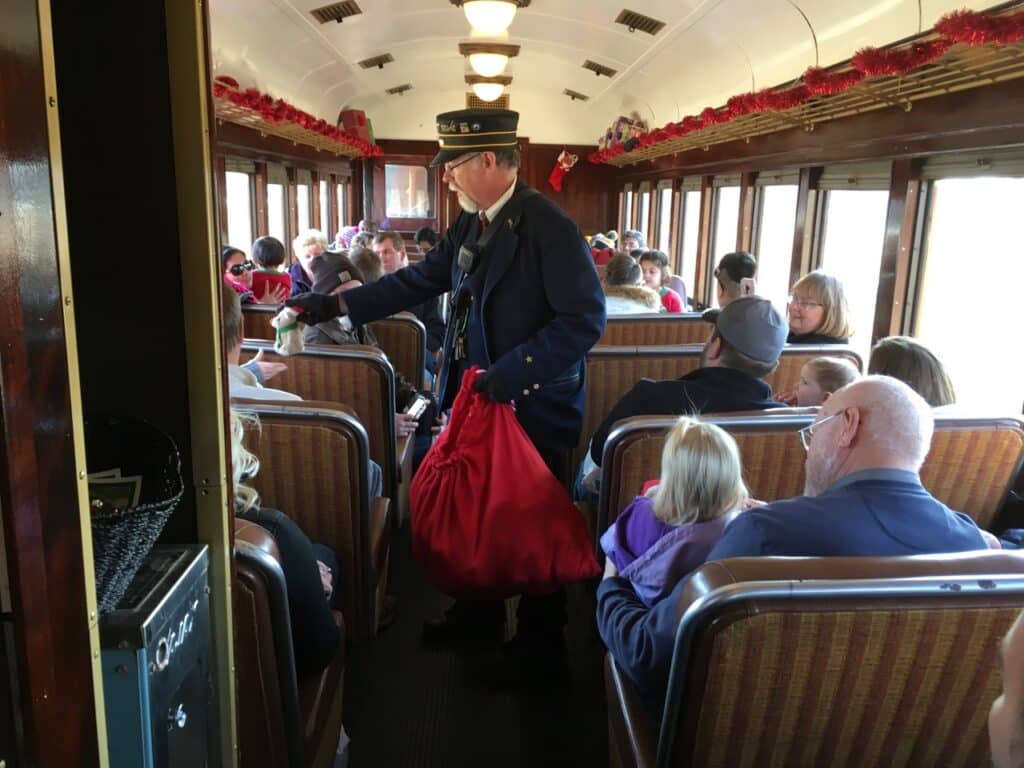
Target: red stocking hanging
pixel 562 166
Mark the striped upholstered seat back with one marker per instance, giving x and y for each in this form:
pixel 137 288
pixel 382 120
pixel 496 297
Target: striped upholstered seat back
pixel 256 321
pixel 356 376
pixel 314 469
pixel 655 330
pixel 970 467
pixel 770 449
pixel 973 462
pixel 403 339
pixel 848 677
pixel 612 372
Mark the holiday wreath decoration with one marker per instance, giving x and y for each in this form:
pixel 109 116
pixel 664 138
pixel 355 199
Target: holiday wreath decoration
pixel 965 49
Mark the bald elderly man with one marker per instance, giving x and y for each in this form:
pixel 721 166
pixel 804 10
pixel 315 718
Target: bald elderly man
pixel 862 497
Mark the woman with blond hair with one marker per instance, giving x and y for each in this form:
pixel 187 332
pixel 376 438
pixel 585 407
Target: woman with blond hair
pixel 310 570
pixel 914 364
pixel 306 247
pixel 669 531
pixel 818 311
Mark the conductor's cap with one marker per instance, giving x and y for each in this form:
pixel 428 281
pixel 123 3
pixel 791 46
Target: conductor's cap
pixel 475 130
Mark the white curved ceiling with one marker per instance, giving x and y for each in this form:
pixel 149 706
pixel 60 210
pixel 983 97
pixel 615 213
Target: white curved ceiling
pixel 708 51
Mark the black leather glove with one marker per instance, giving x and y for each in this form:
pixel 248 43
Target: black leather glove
pixel 314 308
pixel 489 384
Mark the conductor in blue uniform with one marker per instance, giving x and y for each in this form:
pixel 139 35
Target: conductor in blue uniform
pixel 526 306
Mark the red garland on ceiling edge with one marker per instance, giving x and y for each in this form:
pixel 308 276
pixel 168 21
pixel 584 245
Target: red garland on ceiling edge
pixel 278 111
pixel 966 27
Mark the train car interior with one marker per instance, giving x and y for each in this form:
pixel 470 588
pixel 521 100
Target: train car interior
pixel 822 200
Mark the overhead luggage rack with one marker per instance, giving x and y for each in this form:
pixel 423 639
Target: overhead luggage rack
pixel 309 131
pixel 959 68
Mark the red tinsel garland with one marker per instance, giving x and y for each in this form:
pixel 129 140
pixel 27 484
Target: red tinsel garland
pixel 966 27
pixel 973 28
pixel 277 111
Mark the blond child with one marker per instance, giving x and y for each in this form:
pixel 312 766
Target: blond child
pixel 665 534
pixel 822 376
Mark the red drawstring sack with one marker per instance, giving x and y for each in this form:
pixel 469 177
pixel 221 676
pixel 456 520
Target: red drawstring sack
pixel 488 517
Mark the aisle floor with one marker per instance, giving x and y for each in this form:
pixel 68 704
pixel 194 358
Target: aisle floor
pixel 412 707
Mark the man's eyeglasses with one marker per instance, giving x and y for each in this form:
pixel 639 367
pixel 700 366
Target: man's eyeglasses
pixel 808 432
pixel 449 167
pixel 804 303
pixel 238 269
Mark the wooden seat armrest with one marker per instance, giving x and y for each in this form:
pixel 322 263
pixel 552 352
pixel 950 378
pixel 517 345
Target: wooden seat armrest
pixel 633 730
pixel 404 450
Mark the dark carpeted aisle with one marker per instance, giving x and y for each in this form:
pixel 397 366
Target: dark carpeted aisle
pixel 413 707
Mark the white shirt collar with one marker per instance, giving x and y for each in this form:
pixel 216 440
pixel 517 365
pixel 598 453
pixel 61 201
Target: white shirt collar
pixel 492 212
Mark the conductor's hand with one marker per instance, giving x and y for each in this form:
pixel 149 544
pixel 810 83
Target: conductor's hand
pixel 314 308
pixel 488 383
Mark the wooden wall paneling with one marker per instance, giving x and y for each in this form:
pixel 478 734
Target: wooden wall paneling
pixel 44 554
pixel 315 214
pixel 291 198
pixel 262 223
pixel 893 275
pixel 702 285
pixel 804 227
pixel 745 226
pixel 231 139
pixel 220 179
pixel 991 116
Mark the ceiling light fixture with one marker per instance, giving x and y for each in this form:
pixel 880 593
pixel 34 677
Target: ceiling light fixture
pixel 488 59
pixel 491 17
pixel 488 91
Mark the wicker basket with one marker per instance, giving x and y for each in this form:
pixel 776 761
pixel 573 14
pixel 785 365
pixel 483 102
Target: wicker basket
pixel 121 539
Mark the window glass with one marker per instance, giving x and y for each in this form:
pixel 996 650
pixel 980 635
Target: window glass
pixel 326 226
pixel 774 250
pixel 972 248
pixel 627 212
pixel 275 213
pixel 341 190
pixel 302 206
pixel 239 195
pixel 406 192
pixel 664 219
pixel 852 251
pixel 690 239
pixel 727 219
pixel 645 210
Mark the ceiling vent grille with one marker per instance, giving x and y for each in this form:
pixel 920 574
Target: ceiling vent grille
pixel 599 69
pixel 398 90
pixel 472 102
pixel 637 21
pixel 575 95
pixel 336 12
pixel 377 61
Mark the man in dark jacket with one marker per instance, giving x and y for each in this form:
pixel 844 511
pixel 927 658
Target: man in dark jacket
pixel 863 498
pixel 390 247
pixel 744 347
pixel 527 308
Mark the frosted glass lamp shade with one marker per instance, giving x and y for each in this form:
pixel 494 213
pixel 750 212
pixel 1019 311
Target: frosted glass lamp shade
pixel 491 17
pixel 488 91
pixel 488 64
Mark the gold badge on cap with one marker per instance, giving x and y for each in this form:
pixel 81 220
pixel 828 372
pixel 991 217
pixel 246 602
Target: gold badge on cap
pixel 463 127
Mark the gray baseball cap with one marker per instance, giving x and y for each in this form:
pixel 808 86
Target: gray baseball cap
pixel 751 325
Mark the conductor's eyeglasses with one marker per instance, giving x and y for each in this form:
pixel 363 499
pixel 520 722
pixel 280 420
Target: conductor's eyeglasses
pixel 238 269
pixel 449 167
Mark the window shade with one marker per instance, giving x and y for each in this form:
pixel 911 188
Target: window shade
pixel 303 176
pixel 726 180
pixel 239 165
pixel 856 176
pixel 276 174
pixel 991 163
pixel 777 178
pixel 691 184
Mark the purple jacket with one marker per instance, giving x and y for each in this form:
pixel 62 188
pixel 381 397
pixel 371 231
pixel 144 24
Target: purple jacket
pixel 655 555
